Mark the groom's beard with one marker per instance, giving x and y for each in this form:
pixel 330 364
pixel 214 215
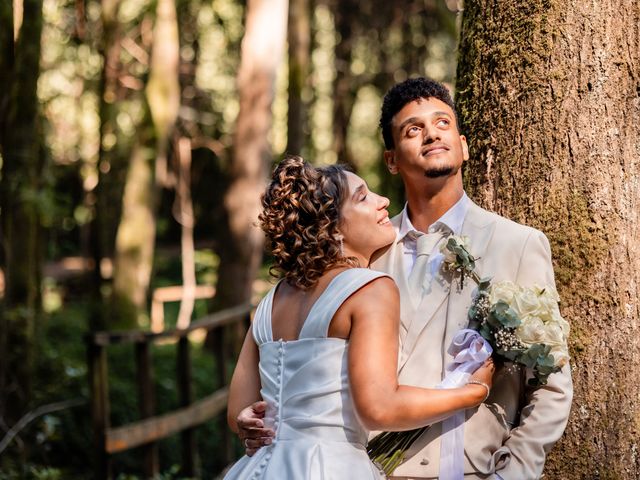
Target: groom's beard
pixel 438 172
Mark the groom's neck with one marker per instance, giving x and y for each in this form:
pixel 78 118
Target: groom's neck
pixel 427 205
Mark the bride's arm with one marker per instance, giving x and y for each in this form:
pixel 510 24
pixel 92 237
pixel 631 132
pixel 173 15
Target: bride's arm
pixel 245 383
pixel 380 402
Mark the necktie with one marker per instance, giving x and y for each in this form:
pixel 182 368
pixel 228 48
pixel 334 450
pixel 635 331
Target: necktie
pixel 418 278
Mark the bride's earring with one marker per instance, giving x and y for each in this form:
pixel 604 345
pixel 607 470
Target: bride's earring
pixel 340 239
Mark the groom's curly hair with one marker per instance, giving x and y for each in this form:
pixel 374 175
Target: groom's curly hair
pixel 301 216
pixel 406 92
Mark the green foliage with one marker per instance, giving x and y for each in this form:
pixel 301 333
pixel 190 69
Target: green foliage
pixel 32 472
pixel 502 315
pixel 61 443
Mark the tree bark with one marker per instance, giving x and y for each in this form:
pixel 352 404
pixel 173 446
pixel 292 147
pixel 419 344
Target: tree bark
pixel 261 54
pixel 299 39
pixel 185 217
pixel 135 238
pixel 344 85
pixel 548 96
pixel 163 90
pixel 105 216
pixel 22 168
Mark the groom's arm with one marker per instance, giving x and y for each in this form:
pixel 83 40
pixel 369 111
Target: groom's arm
pixel 545 415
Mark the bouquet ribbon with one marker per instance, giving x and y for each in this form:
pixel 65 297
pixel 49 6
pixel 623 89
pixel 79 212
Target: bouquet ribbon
pixel 469 352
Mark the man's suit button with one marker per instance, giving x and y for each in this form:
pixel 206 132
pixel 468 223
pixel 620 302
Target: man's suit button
pixel 425 461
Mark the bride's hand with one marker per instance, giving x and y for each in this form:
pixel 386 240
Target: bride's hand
pixel 484 376
pixel 251 428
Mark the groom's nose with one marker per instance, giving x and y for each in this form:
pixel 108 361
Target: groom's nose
pixel 430 134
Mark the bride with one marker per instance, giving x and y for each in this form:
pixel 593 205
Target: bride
pixel 323 347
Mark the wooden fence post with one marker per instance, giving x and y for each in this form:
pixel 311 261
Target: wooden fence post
pixel 100 410
pixel 186 398
pixel 147 404
pixel 222 350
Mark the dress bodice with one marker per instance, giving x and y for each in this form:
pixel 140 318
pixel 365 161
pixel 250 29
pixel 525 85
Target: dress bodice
pixel 305 382
pixel 306 386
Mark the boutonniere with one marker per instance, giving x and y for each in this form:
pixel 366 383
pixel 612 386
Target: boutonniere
pixel 458 259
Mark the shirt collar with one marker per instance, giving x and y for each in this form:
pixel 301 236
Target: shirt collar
pixel 451 220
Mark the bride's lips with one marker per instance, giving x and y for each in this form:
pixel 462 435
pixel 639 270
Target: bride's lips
pixel 384 221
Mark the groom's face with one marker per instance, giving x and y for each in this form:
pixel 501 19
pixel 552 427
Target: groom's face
pixel 427 143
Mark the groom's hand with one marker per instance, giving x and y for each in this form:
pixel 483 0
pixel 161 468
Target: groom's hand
pixel 251 429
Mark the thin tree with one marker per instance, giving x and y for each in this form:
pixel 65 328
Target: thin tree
pixel 20 202
pixel 101 243
pixel 548 96
pixel 299 42
pixel 135 240
pixel 261 55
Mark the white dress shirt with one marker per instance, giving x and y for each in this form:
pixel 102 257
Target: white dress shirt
pixel 450 222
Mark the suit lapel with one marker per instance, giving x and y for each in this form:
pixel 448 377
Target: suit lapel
pixel 424 313
pixel 479 226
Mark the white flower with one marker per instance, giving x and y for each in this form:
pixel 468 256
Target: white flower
pixel 554 335
pixel 549 299
pixel 531 330
pixel 449 256
pixel 560 355
pixel 548 294
pixel 505 291
pixel 556 319
pixel 527 303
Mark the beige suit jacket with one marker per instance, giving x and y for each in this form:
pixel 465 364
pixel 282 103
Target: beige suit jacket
pixel 515 428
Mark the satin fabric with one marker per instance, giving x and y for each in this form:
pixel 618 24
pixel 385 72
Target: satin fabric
pixel 305 384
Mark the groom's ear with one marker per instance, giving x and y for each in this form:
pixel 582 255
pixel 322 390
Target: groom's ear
pixel 465 148
pixel 390 160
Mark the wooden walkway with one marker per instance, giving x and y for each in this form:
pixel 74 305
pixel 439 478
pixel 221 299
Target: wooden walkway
pixel 109 440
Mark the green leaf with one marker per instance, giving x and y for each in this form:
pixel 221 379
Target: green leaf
pixel 472 313
pixel 487 333
pixel 484 284
pixel 502 314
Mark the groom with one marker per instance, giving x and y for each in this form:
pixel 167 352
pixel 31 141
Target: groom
pixel 510 434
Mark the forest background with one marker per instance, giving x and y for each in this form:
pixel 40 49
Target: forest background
pixel 137 135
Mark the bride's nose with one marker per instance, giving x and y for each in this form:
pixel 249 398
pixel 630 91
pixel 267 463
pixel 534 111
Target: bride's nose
pixel 383 202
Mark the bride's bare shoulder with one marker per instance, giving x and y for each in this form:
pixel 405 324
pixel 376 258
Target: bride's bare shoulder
pixel 378 293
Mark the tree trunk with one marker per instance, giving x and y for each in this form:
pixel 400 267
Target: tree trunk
pixel 22 168
pixel 135 239
pixel 262 53
pixel 133 257
pixel 299 39
pixel 344 85
pixel 183 212
pixel 105 216
pixel 163 90
pixel 548 95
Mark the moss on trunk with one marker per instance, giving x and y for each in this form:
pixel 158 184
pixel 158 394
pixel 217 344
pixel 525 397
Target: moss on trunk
pixel 547 93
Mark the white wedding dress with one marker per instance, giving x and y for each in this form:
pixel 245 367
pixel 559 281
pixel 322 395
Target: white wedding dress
pixel 306 386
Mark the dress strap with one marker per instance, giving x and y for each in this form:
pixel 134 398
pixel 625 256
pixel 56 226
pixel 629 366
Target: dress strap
pixel 341 287
pixel 261 326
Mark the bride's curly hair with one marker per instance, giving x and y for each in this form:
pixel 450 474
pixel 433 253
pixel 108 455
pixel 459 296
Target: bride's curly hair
pixel 301 216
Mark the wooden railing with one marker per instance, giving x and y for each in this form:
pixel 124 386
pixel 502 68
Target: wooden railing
pixel 151 427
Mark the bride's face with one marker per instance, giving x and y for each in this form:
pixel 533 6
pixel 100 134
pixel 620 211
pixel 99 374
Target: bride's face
pixel 365 221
